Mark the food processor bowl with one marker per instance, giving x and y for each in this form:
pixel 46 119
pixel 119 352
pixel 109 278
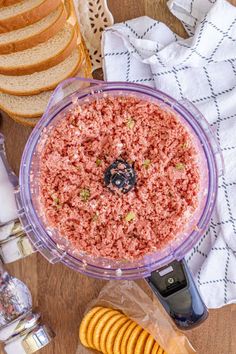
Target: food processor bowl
pixel 54 247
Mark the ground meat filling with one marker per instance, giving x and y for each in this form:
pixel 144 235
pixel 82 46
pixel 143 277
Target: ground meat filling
pixel 97 220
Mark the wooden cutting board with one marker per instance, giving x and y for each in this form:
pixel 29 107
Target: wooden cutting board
pixel 61 294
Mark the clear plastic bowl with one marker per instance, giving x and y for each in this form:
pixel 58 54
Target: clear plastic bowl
pixel 54 247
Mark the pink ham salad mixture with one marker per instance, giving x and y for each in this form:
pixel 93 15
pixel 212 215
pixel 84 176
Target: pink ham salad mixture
pixel 85 143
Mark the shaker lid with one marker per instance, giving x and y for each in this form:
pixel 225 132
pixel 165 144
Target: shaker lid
pixel 28 343
pixel 23 324
pixel 37 339
pixel 15 248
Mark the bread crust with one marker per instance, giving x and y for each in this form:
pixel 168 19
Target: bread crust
pixel 4 3
pixel 16 114
pixel 28 122
pixel 49 87
pixel 37 38
pixel 43 65
pixel 28 17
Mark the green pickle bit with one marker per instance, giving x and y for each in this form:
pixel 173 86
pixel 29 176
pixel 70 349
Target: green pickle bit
pixel 98 162
pixel 130 216
pixel 180 166
pixel 184 145
pixel 130 123
pixel 146 163
pixel 95 217
pixel 56 202
pixel 85 194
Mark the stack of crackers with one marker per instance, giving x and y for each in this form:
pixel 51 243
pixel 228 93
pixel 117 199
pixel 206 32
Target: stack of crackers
pixel 40 46
pixel 109 331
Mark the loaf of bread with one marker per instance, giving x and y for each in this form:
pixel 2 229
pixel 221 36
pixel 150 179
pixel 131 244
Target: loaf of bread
pixel 40 46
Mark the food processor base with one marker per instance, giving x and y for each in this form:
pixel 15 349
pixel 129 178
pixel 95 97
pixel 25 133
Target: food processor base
pixel 176 290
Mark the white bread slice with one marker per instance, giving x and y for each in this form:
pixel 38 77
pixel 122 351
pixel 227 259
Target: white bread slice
pixel 44 80
pixel 28 107
pixel 42 56
pixel 25 13
pixel 25 106
pixel 34 34
pixel 28 122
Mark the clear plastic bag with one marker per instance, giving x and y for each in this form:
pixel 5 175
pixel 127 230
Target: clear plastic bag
pixel 128 297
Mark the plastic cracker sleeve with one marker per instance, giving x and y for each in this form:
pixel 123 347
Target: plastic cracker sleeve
pixel 129 298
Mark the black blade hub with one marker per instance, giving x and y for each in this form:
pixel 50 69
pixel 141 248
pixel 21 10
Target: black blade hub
pixel 120 175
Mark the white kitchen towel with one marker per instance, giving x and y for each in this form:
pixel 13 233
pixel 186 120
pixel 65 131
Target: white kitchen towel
pixel 201 69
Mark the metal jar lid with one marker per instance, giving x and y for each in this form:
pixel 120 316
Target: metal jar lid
pixel 22 324
pixel 14 244
pixel 15 298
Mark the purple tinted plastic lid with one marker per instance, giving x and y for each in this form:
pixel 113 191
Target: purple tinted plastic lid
pixel 54 247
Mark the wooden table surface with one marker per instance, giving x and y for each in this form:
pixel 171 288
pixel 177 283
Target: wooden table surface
pixel 61 294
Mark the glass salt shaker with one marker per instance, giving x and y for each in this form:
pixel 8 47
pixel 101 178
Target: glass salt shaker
pixel 21 330
pixel 14 243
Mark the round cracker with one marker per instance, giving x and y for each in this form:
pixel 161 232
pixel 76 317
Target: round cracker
pixel 106 329
pixel 160 351
pixel 149 345
pixel 133 339
pixel 141 343
pixel 84 325
pixel 126 337
pixel 120 335
pixel 113 333
pixel 155 348
pixel 92 324
pixel 99 327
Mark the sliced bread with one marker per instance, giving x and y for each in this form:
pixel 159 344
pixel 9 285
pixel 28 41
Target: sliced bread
pixel 34 34
pixel 25 106
pixel 24 13
pixel 42 80
pixel 87 63
pixel 42 56
pixel 8 2
pixel 28 122
pixel 68 6
pixel 23 109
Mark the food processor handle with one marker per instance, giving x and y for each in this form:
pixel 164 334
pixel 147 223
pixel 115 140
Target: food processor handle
pixel 175 288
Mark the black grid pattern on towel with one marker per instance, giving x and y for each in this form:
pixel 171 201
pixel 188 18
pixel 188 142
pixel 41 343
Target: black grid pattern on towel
pixel 227 187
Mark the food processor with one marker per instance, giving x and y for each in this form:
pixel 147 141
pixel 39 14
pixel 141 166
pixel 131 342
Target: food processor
pixel 164 270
